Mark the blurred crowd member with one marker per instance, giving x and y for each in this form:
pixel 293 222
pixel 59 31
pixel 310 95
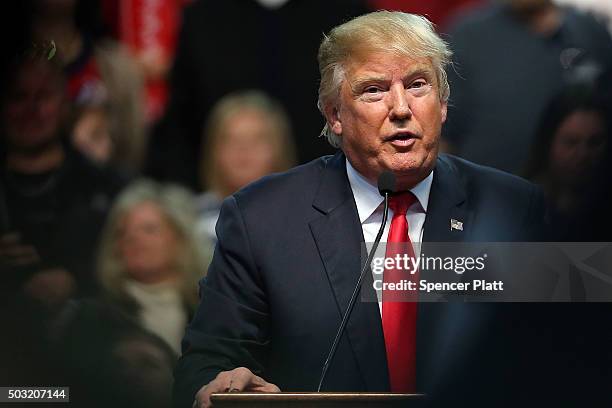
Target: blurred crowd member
pixel 572 160
pixel 24 352
pixel 439 12
pixel 148 266
pixel 149 28
pixel 601 8
pixel 95 66
pixel 108 361
pixel 91 130
pixel 247 136
pixel 272 47
pixel 53 201
pixel 150 261
pixel 511 58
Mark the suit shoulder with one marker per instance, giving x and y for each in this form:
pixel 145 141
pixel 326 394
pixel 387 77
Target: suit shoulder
pixel 505 207
pixel 296 183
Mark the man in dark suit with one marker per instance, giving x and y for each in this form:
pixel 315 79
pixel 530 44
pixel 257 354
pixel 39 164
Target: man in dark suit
pixel 288 253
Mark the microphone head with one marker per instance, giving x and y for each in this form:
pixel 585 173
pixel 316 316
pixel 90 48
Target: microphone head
pixel 386 182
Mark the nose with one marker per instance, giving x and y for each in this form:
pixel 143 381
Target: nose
pixel 399 103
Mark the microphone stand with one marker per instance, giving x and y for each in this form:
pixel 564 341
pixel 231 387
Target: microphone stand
pixel 356 291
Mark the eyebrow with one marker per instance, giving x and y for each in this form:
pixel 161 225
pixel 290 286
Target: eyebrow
pixel 361 81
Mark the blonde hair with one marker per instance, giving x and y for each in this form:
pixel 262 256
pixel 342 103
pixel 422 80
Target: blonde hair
pixel 177 205
pixel 394 32
pixel 231 104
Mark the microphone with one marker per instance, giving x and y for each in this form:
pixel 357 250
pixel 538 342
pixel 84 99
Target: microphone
pixel 386 186
pixel 386 183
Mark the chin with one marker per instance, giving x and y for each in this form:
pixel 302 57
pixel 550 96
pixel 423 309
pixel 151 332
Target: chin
pixel 408 164
pixel 409 176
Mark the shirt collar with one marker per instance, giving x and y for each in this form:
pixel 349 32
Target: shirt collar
pixel 368 199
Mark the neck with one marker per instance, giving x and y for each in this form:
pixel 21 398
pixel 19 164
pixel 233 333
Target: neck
pixel 36 162
pixel 227 190
pixel 159 276
pixel 409 182
pixel 402 183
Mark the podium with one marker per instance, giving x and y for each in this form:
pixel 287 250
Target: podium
pixel 316 400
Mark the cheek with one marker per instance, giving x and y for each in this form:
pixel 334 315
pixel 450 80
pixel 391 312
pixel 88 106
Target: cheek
pixel 375 117
pixel 158 245
pixel 16 115
pixel 128 248
pixel 13 111
pixel 363 116
pixel 169 253
pixel 120 250
pixel 434 114
pixel 168 240
pixel 560 154
pixel 51 108
pixel 129 255
pixel 223 158
pixel 264 159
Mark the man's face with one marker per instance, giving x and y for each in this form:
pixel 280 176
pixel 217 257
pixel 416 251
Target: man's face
pixel 389 117
pixel 34 108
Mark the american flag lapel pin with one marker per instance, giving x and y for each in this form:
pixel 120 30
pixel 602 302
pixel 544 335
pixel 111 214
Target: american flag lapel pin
pixel 456 225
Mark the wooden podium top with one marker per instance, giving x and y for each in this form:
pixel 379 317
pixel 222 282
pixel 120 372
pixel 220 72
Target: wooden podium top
pixel 316 400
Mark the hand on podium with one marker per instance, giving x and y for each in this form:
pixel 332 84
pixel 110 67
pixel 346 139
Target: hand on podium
pixel 238 379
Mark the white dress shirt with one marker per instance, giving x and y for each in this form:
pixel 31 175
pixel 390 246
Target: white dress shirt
pixel 370 208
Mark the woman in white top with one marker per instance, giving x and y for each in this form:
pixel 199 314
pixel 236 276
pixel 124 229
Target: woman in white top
pixel 149 260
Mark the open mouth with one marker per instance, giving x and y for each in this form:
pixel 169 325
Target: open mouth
pixel 402 139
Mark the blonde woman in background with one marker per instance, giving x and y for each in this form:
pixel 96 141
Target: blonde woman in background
pixel 149 260
pixel 127 340
pixel 247 136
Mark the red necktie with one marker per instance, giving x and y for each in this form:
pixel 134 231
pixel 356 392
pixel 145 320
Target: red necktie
pixel 399 317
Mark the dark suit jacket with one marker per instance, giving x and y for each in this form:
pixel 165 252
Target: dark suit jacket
pixel 288 258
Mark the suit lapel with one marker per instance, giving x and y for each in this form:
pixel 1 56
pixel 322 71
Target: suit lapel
pixel 447 201
pixel 338 236
pixel 442 327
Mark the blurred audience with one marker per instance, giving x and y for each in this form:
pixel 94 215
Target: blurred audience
pixel 149 261
pixel 247 136
pixel 72 127
pixel 439 12
pixel 109 361
pixel 150 30
pixel 91 131
pixel 99 71
pixel 148 265
pixel 511 58
pixel 602 9
pixel 272 47
pixel 572 160
pixel 53 201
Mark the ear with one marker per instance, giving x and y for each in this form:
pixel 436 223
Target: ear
pixel 332 115
pixel 443 109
